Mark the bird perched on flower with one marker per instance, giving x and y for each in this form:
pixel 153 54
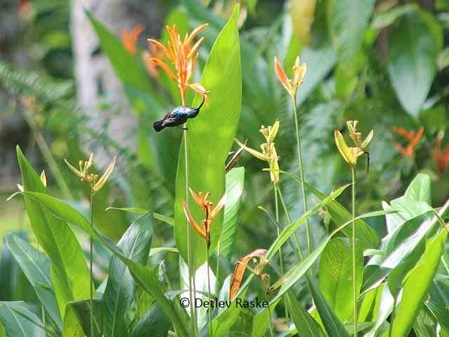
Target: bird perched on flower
pixel 177 116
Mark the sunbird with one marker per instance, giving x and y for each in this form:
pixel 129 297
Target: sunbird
pixel 177 116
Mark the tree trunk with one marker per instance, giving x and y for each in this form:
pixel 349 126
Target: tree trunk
pixel 95 78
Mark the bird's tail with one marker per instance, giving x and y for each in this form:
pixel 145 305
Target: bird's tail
pixel 158 126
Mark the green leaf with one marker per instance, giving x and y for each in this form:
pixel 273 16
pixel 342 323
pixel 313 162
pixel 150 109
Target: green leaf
pixel 209 139
pixel 19 321
pixel 439 297
pixel 72 325
pixel 135 245
pixel 417 285
pixel 412 59
pixel 36 267
pixel 234 189
pixel 69 271
pixel 340 215
pixel 288 231
pixel 385 19
pixel 349 20
pixel 154 323
pixel 415 202
pixel 335 276
pixel 80 311
pixel 304 322
pixel 330 320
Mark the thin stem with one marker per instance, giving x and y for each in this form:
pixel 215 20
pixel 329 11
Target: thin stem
pixel 281 258
pixel 91 281
pixel 354 285
pixel 209 314
pixel 287 213
pixel 301 173
pixel 191 272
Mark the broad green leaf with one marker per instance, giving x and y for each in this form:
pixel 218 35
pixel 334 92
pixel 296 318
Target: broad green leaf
pixel 209 139
pixel 154 323
pixel 417 285
pixel 77 318
pixel 304 322
pixel 72 325
pixel 439 298
pixel 330 320
pixel 381 310
pixel 425 324
pixel 144 276
pixel 419 188
pixel 335 276
pixel 19 321
pixel 69 271
pixel 385 19
pixel 135 245
pixel 414 202
pixel 234 190
pixel 413 49
pixel 349 20
pixel 36 267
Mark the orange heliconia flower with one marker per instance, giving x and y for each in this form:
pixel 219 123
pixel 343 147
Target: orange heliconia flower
pixel 441 156
pixel 291 85
pixel 130 37
pixel 178 59
pixel 412 137
pixel 210 212
pixel 258 258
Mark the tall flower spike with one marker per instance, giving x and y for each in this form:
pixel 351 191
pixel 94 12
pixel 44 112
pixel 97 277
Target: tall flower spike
pixel 351 153
pixel 209 211
pixel 291 85
pixel 413 138
pixel 178 58
pixel 269 153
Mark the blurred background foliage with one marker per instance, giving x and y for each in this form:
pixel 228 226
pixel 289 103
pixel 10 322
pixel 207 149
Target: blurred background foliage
pixel 384 63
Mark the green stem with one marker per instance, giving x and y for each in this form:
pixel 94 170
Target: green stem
pixel 91 281
pixel 191 272
pixel 287 214
pixel 354 284
pixel 301 174
pixel 281 258
pixel 209 314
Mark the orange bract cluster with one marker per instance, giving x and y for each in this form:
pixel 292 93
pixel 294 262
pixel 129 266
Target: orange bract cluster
pixel 291 85
pixel 130 37
pixel 210 213
pixel 412 137
pixel 441 156
pixel 178 59
pixel 260 262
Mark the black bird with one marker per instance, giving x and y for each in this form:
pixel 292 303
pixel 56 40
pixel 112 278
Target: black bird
pixel 177 116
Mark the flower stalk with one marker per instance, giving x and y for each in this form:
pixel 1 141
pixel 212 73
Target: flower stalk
pixel 291 86
pixel 350 154
pixel 95 184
